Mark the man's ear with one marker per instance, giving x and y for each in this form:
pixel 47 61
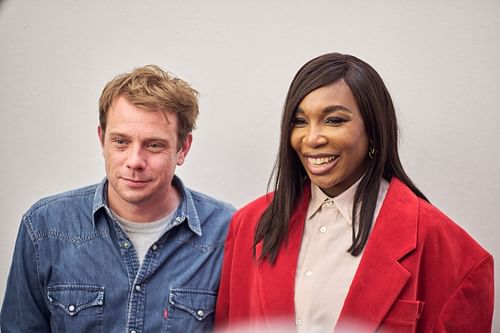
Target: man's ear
pixel 100 134
pixel 186 145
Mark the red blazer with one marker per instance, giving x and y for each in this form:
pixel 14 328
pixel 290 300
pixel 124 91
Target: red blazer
pixel 419 272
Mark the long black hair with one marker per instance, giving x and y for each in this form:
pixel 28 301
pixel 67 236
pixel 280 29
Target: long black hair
pixel 377 110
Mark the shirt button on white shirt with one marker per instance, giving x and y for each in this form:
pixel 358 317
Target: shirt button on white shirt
pixel 309 273
pixel 298 322
pixel 322 229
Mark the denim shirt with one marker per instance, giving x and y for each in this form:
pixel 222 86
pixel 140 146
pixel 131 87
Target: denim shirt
pixel 75 270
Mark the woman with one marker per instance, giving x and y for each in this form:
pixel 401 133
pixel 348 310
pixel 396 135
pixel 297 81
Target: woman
pixel 347 241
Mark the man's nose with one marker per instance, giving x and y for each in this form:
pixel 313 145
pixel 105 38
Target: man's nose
pixel 136 158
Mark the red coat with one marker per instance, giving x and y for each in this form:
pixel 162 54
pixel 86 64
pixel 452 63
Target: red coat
pixel 420 272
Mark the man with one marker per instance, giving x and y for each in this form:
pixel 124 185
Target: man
pixel 138 252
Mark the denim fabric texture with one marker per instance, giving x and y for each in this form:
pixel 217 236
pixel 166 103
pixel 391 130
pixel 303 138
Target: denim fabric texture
pixel 75 270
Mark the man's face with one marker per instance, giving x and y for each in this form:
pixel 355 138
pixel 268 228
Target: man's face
pixel 140 153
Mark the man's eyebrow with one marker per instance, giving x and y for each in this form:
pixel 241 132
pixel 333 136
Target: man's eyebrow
pixel 153 138
pixel 115 133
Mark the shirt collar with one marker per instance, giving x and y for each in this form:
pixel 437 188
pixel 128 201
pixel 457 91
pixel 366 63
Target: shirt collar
pixel 344 201
pixel 185 211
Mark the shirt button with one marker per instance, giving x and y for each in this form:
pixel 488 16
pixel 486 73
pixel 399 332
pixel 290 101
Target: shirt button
pixel 133 331
pixel 154 247
pixel 298 322
pixel 322 229
pixel 178 219
pixel 329 203
pixel 126 245
pixel 309 273
pixel 200 313
pixel 138 287
pixel 71 308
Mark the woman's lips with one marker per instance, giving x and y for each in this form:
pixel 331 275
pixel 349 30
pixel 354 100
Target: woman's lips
pixel 321 165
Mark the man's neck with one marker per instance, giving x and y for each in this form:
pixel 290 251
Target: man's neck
pixel 147 211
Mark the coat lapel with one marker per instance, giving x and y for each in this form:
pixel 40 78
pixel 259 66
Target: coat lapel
pixel 277 282
pixel 380 277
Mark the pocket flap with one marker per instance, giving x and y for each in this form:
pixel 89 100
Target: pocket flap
pixel 75 298
pixel 198 302
pixel 405 311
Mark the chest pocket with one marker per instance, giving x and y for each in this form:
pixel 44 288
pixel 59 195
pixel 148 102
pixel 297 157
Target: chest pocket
pixel 76 308
pixel 191 310
pixel 198 303
pixel 403 317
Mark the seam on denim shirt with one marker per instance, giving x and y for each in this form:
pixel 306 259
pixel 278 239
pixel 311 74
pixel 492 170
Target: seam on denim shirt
pixel 82 192
pixel 26 222
pixel 38 233
pixel 53 233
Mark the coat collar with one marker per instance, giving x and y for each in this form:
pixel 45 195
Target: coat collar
pixel 379 278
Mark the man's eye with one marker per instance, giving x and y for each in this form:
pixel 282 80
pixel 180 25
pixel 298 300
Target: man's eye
pixel 119 142
pixel 155 146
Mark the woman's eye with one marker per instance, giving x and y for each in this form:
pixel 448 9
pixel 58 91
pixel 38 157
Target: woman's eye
pixel 334 121
pixel 299 122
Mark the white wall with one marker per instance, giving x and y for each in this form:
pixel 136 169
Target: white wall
pixel 440 60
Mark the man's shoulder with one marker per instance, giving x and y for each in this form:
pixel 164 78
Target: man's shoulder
pixel 205 201
pixel 64 206
pixel 73 196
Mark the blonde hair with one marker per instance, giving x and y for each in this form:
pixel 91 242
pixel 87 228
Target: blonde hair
pixel 154 89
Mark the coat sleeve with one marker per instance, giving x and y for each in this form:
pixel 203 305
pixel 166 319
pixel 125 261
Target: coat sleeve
pixel 470 308
pixel 24 308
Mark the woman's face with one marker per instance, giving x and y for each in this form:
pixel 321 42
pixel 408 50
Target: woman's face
pixel 330 139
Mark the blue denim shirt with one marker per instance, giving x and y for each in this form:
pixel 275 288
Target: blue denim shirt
pixel 75 270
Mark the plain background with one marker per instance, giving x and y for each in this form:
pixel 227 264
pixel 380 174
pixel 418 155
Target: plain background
pixel 439 59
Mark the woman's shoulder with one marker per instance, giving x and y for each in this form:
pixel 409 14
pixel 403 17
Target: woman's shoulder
pixel 254 209
pixel 436 227
pixel 245 219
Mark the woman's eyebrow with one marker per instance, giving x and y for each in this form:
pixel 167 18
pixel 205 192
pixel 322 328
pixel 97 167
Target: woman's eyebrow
pixel 328 109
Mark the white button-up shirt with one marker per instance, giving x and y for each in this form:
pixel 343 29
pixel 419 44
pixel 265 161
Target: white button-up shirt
pixel 325 269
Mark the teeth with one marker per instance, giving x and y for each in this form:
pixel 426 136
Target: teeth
pixel 321 160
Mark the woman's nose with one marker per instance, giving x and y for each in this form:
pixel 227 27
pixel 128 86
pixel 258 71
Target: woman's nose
pixel 315 136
